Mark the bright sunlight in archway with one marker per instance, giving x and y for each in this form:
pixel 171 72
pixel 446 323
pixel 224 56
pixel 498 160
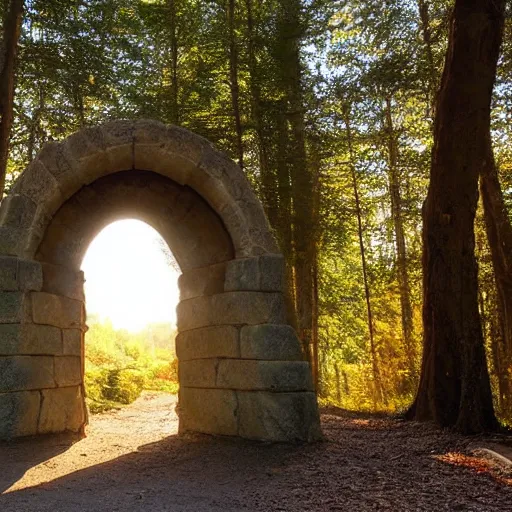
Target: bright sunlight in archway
pixel 131 277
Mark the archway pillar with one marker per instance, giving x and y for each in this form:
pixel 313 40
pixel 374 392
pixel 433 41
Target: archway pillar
pixel 41 334
pixel 240 364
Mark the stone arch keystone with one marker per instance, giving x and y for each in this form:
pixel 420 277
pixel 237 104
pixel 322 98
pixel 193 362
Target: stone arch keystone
pixel 240 367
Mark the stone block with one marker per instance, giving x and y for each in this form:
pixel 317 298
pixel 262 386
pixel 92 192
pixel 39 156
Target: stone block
pixel 18 274
pixel 272 272
pixel 160 159
pixel 68 371
pixel 242 274
pixel 72 342
pixel 19 413
pixel 281 417
pixel 118 136
pixel 211 411
pixel 209 342
pixel 264 273
pixel 24 373
pixel 60 280
pixel 17 211
pixel 12 241
pixel 271 342
pixel 62 409
pixel 246 374
pixel 54 157
pixel 198 373
pixel 62 246
pixel 9 273
pixel 14 307
pixel 39 185
pixel 86 153
pixel 30 339
pixel 231 308
pixel 50 309
pixel 202 281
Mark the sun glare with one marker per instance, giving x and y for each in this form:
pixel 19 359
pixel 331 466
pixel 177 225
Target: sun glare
pixel 130 278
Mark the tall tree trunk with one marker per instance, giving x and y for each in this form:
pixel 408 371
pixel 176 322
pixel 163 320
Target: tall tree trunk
pixel 233 81
pixel 499 235
pixel 379 392
pixel 268 178
pixel 454 389
pixel 284 213
pixel 316 164
pixel 401 252
pixel 13 16
pixel 173 25
pixel 290 32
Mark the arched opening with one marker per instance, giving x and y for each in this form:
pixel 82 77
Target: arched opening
pixel 241 370
pixel 131 294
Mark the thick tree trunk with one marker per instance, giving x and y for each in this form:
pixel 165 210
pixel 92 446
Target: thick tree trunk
pixel 233 81
pixel 401 251
pixel 379 392
pixel 454 388
pixel 499 235
pixel 13 16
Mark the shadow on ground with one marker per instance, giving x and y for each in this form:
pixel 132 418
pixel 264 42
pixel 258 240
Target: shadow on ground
pixel 365 464
pixel 178 473
pixel 17 457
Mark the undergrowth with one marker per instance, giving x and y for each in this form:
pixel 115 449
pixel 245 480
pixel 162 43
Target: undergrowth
pixel 119 365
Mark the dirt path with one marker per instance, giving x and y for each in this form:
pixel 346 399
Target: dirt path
pixel 132 460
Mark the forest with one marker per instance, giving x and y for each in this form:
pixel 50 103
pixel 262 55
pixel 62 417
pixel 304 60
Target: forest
pixel 378 136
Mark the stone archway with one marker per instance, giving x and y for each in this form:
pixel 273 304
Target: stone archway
pixel 240 366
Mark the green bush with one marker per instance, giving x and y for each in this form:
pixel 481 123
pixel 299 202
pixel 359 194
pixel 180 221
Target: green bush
pixel 120 365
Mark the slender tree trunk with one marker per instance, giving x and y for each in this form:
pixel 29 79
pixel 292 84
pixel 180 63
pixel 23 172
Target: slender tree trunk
pixel 173 25
pixel 13 16
pixel 454 389
pixel 35 127
pixel 316 163
pixel 373 350
pixel 426 33
pixel 233 81
pixel 284 213
pixel 499 235
pixel 401 252
pixel 268 178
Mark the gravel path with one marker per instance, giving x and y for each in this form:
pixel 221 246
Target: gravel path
pixel 132 460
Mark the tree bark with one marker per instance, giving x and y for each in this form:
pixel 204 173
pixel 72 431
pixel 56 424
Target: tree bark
pixel 401 251
pixel 499 235
pixel 454 388
pixel 13 16
pixel 233 81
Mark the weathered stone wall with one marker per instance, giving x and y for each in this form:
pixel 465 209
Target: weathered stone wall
pixel 41 339
pixel 240 365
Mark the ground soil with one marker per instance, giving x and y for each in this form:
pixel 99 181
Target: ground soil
pixel 132 459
